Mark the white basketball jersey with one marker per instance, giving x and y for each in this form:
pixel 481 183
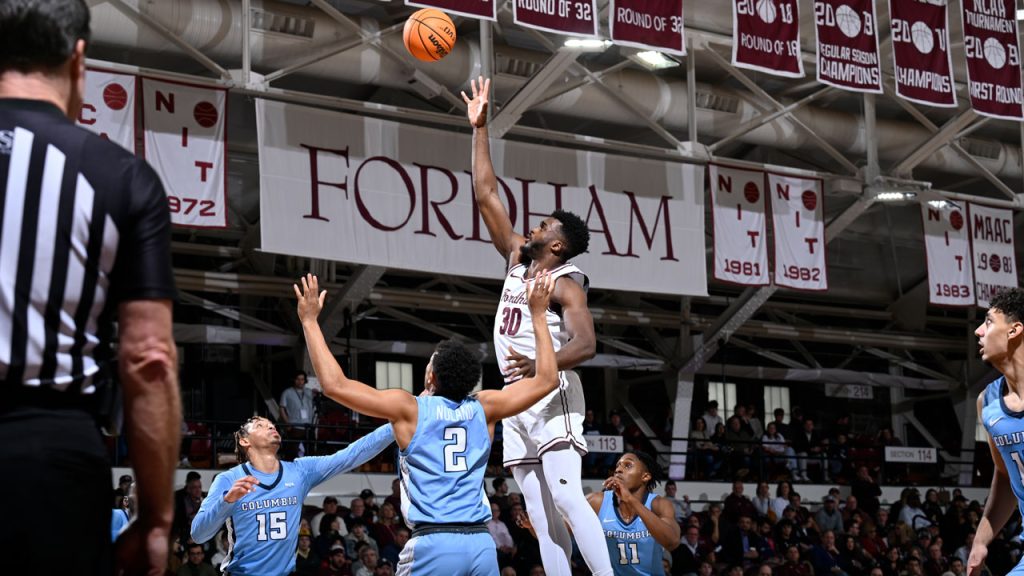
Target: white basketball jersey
pixel 513 325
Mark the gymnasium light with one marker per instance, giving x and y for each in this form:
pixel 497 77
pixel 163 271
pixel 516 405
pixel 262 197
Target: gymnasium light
pixel 1020 14
pixel 895 196
pixel 588 44
pixel 655 60
pixel 941 204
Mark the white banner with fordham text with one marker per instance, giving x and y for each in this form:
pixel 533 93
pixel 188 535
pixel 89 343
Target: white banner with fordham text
pixel 995 262
pixel 740 225
pixel 948 251
pixel 350 188
pixel 185 128
pixel 798 220
pixel 108 107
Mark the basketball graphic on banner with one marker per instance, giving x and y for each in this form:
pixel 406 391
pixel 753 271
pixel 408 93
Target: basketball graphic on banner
pixel 848 21
pixel 922 37
pixel 956 220
pixel 115 96
pixel 751 193
pixel 995 54
pixel 994 263
pixel 810 199
pixel 205 114
pixel 766 10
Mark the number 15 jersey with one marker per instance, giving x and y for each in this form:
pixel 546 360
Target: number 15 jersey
pixel 513 325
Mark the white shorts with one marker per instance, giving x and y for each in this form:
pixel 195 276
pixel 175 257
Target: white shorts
pixel 554 422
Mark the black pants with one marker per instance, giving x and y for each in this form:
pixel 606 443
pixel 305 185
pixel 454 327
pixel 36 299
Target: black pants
pixel 56 484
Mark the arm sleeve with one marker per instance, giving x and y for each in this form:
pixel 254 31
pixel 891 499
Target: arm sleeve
pixel 143 265
pixel 319 468
pixel 214 511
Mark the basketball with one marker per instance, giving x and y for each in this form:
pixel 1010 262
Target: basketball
pixel 115 96
pixel 429 34
pixel 205 114
pixel 766 10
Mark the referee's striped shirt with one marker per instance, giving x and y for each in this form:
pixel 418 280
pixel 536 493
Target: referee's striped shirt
pixel 84 225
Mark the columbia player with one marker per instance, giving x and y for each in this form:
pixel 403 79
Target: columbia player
pixel 444 436
pixel 1001 409
pixel 637 523
pixel 261 498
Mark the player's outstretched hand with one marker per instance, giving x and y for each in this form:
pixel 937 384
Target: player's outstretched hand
pixel 240 488
pixel 538 292
pixel 142 549
pixel 626 499
pixel 311 298
pixel 976 561
pixel 476 107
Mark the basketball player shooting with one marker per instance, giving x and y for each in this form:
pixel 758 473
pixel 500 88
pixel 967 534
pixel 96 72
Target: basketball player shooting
pixel 544 445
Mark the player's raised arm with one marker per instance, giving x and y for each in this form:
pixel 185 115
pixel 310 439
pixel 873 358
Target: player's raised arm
pixel 394 405
pixel 485 183
pixel 522 394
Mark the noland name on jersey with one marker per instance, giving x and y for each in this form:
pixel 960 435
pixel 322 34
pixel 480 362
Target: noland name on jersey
pixel 461 413
pixel 270 503
pixel 1008 439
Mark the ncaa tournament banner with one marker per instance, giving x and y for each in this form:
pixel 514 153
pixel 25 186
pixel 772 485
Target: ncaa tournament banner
pixel 948 251
pixel 798 221
pixel 993 58
pixel 108 107
pixel 344 187
pixel 739 217
pixel 185 130
pixel 766 37
pixel 572 17
pixel 922 61
pixel 995 262
pixel 847 35
pixel 648 24
pixel 481 9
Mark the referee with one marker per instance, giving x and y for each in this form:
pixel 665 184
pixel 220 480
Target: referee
pixel 84 237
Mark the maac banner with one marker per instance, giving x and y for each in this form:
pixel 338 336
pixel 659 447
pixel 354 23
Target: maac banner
pixel 948 250
pixel 921 56
pixel 572 17
pixel 738 212
pixel 648 24
pixel 847 35
pixel 108 107
pixel 485 9
pixel 993 58
pixel 766 36
pixel 798 220
pixel 995 263
pixel 344 187
pixel 185 128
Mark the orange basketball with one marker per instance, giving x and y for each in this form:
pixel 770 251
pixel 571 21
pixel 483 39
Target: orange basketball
pixel 429 34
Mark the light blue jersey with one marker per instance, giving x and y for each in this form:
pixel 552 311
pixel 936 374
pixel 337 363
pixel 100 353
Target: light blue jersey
pixel 263 527
pixel 632 549
pixel 1007 431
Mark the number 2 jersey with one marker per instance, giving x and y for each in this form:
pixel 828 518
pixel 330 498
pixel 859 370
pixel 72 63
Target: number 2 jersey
pixel 263 526
pixel 1007 431
pixel 513 326
pixel 631 548
pixel 443 466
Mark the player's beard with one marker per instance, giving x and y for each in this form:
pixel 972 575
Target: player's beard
pixel 526 252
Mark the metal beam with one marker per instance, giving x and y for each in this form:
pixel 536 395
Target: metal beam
pixel 327 52
pixel 354 292
pixel 228 312
pixel 774 356
pixel 420 323
pixel 940 139
pixel 768 118
pixel 911 365
pixel 530 92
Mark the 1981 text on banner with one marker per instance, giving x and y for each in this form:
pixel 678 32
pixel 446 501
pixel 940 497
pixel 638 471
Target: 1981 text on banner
pixel 648 24
pixel 108 107
pixel 847 33
pixel 948 250
pixel 995 262
pixel 993 58
pixel 185 130
pixel 798 221
pixel 766 36
pixel 343 187
pixel 573 17
pixel 922 60
pixel 740 225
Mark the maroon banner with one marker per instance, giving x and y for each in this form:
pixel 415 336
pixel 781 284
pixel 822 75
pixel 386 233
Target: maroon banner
pixel 993 58
pixel 649 24
pixel 573 17
pixel 920 52
pixel 847 36
pixel 483 9
pixel 766 36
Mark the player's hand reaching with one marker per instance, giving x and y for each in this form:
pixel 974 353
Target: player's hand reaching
pixel 519 366
pixel 976 561
pixel 240 488
pixel 538 291
pixel 142 549
pixel 627 502
pixel 476 107
pixel 311 298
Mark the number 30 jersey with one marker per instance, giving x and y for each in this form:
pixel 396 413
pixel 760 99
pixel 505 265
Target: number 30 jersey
pixel 443 466
pixel 513 325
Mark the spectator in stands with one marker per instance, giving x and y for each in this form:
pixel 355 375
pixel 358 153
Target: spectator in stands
pixel 737 504
pixel 124 485
pixel 681 507
pixel 756 425
pixel 931 507
pixel 337 563
pixel 964 552
pixel 357 535
pixel 784 536
pixel 936 564
pixel 296 415
pixel 370 504
pixel 796 502
pixel 502 537
pixel 762 501
pixel 792 565
pixel 195 565
pixel 911 513
pixel 356 513
pixel 850 509
pixel 825 556
pixel 873 543
pixel 329 527
pixel 369 557
pixel 852 559
pixel 501 494
pixel 395 498
pixel 711 417
pixel 330 507
pixel 687 557
pixel 383 529
pixel 809 450
pixel 782 491
pixel 838 458
pixel 776 451
pixel 393 550
pixel 892 563
pixel 828 518
pixel 741 544
pixel 740 411
pixel 712 526
pixel 740 447
pixel 956 568
pixel 307 562
pixel 912 567
pixel 187 501
pixel 706 452
pixel 864 488
pixel 591 427
pixel 780 423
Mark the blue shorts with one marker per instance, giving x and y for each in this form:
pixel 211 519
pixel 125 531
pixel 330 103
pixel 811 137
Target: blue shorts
pixel 449 554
